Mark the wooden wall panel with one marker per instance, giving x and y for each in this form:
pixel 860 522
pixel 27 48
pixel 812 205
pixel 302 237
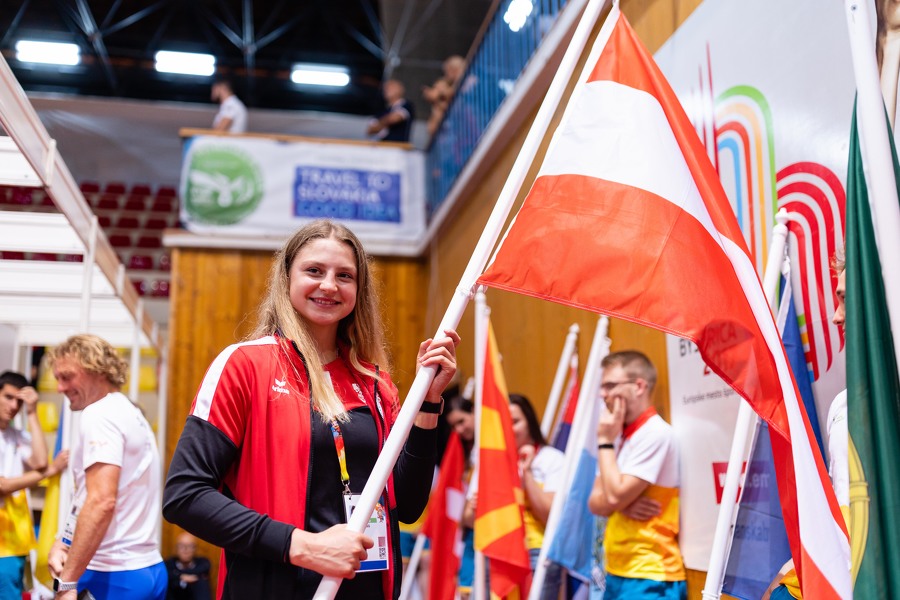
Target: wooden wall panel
pixel 213 295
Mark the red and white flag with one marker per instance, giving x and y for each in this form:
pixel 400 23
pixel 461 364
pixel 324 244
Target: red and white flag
pixel 445 510
pixel 627 218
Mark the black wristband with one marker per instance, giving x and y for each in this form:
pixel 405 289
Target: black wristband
pixel 433 408
pixel 606 446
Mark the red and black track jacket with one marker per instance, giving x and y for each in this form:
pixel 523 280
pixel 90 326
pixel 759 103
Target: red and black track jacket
pixel 241 472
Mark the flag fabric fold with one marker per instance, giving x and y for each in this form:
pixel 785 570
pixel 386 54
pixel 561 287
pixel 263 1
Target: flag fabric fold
pixel 627 217
pixel 445 510
pixel 559 437
pixel 499 512
pixel 573 542
pixel 873 397
pixel 759 546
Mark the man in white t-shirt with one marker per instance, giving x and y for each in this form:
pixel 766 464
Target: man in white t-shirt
pixel 637 486
pixel 108 545
pixel 232 115
pixel 23 463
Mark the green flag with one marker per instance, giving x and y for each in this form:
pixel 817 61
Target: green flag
pixel 873 401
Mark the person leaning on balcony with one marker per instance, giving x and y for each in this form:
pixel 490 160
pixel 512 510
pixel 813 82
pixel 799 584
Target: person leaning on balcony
pixel 394 124
pixel 232 115
pixel 438 95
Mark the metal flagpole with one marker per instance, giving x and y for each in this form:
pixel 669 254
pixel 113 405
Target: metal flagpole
pixel 482 314
pixel 409 577
pixel 492 230
pixel 746 424
pixel 587 395
pixel 559 380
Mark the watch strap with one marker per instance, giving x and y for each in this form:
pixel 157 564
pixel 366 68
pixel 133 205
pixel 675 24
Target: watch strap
pixel 433 408
pixel 64 586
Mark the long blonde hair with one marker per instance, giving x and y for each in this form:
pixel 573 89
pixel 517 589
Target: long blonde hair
pixel 361 331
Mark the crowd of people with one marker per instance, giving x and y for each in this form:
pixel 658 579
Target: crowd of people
pixel 282 437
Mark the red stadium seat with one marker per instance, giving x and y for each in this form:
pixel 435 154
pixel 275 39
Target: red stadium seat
pixel 89 187
pixel 104 221
pixel 126 222
pixel 165 262
pixel 120 240
pixel 135 203
pixel 160 288
pixel 10 255
pixel 140 189
pixel 115 188
pixel 165 205
pixel 142 262
pixel 166 192
pixel 44 256
pixel 149 241
pixel 140 285
pixel 155 223
pixel 21 196
pixel 71 258
pixel 108 202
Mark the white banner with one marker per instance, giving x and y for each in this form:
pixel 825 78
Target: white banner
pixel 769 88
pixel 258 187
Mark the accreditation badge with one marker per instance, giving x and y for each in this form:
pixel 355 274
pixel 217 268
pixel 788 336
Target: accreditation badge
pixel 376 529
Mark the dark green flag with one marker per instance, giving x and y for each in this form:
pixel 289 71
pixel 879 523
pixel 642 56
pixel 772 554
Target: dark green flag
pixel 873 398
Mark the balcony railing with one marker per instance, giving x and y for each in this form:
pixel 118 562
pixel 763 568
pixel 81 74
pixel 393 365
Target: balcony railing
pixel 510 39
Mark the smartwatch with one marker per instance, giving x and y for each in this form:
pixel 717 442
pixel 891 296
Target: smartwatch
pixel 64 586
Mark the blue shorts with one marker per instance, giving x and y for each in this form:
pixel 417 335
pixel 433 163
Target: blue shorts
pixel 467 561
pixel 148 583
pixel 12 569
pixel 627 588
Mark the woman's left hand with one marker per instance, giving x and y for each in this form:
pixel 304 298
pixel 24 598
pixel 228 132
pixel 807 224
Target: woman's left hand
pixel 441 354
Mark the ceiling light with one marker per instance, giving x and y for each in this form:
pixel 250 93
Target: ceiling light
pixel 517 13
pixel 329 75
pixel 49 53
pixel 185 63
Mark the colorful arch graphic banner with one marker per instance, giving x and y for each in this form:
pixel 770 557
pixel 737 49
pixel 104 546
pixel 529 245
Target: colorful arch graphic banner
pixel 769 87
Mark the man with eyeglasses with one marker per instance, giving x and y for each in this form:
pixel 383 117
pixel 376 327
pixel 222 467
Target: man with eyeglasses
pixel 637 485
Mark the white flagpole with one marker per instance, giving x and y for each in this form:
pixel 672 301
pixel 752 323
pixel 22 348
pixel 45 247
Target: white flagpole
pixel 482 315
pixel 394 444
pixel 559 380
pixel 409 577
pixel 587 396
pixel 878 163
pixel 746 425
